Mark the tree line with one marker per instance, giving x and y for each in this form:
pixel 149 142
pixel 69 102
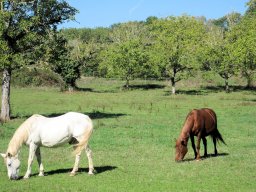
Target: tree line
pixel 172 48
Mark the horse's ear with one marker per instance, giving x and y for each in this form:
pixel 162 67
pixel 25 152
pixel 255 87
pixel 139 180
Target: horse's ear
pixel 3 155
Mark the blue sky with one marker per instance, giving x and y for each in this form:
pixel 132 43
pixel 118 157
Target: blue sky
pixel 104 13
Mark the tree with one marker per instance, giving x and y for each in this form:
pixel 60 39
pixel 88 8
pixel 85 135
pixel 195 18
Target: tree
pixel 251 10
pixel 228 21
pixel 217 53
pixel 85 46
pixel 214 55
pixel 124 60
pixel 244 49
pixel 24 25
pixel 58 57
pixel 176 40
pixel 87 55
pixel 126 57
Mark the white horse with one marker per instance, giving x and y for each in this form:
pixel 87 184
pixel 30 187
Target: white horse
pixel 36 131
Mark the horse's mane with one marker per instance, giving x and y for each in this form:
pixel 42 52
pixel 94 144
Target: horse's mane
pixel 20 136
pixel 188 124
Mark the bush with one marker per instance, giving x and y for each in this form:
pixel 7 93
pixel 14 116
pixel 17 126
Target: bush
pixel 35 77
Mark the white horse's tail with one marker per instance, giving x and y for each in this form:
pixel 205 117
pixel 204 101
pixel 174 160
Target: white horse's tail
pixel 83 143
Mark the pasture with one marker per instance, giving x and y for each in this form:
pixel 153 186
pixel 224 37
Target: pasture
pixel 134 137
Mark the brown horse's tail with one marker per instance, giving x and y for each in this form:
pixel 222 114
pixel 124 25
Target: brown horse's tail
pixel 84 142
pixel 218 136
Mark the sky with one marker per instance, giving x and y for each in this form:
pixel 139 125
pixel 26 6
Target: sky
pixel 104 13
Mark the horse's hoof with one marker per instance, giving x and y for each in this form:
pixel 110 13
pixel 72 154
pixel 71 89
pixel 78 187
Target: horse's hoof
pixel 92 172
pixel 40 174
pixel 72 174
pixel 25 177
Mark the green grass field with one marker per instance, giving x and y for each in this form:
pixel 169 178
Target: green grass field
pixel 134 138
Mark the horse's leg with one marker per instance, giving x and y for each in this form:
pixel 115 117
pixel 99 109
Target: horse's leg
pixel 41 167
pixel 193 144
pixel 89 156
pixel 215 148
pixel 75 168
pixel 198 147
pixel 32 150
pixel 205 146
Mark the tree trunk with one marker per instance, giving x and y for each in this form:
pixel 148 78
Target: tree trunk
pixel 70 88
pixel 5 108
pixel 127 84
pixel 173 86
pixel 249 83
pixel 226 85
pixel 249 78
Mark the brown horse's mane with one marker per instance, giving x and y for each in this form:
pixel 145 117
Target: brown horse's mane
pixel 20 136
pixel 185 131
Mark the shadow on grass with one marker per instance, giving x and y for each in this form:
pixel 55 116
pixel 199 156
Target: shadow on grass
pixel 93 115
pixel 79 89
pixel 99 170
pixel 192 92
pixel 188 92
pixel 146 86
pixel 131 87
pixel 233 88
pixel 84 89
pixel 212 89
pixel 198 91
pixel 203 158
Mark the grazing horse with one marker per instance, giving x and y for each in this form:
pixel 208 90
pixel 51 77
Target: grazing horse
pixel 200 123
pixel 73 128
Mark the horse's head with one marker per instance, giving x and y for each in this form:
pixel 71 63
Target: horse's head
pixel 181 149
pixel 12 164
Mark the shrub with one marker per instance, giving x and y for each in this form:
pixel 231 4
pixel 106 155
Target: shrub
pixel 36 77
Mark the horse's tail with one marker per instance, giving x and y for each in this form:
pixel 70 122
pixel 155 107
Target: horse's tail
pixel 84 142
pixel 218 136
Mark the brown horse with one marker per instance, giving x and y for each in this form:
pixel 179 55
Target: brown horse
pixel 200 123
